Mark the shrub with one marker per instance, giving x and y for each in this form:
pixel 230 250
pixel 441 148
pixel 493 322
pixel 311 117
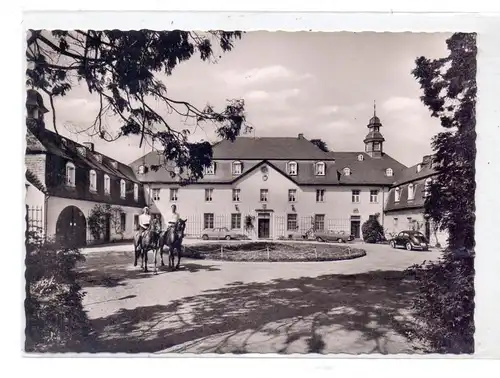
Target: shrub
pixel 372 230
pixel 444 303
pixel 55 319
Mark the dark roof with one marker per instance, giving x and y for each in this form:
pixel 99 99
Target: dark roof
pixel 43 140
pixel 369 171
pixel 33 98
pixel 412 174
pixel 374 136
pixel 270 148
pixel 33 180
pixel 374 121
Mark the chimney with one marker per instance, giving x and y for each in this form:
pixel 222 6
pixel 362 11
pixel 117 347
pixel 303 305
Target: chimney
pixel 426 159
pixel 301 136
pixel 89 145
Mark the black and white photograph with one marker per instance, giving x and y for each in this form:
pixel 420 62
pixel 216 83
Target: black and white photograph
pixel 242 192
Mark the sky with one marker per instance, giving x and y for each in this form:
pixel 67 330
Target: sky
pixel 320 84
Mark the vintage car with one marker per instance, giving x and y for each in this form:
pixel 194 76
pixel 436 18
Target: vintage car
pixel 219 233
pixel 410 240
pixel 330 235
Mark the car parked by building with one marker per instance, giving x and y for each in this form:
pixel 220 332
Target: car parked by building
pixel 219 233
pixel 410 240
pixel 331 236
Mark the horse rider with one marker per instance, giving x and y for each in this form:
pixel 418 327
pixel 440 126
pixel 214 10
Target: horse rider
pixel 144 222
pixel 174 217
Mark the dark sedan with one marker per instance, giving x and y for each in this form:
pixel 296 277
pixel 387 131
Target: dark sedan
pixel 410 240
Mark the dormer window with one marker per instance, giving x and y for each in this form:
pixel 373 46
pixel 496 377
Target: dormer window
pixel 397 194
pixel 114 164
pixel 210 170
pixel 98 157
pixel 141 170
pixel 292 168
pixel 123 189
pixel 93 181
pixel 411 192
pixel 427 187
pixel 320 169
pixel 360 157
pixel 347 171
pixel 136 192
pixel 107 185
pixel 70 174
pixel 419 168
pixel 389 172
pixel 237 168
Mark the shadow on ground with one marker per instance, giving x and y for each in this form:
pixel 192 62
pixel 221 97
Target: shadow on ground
pixel 115 269
pixel 360 313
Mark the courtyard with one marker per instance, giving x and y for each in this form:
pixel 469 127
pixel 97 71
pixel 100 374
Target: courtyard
pixel 352 306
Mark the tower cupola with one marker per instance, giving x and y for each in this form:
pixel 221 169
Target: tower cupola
pixel 374 140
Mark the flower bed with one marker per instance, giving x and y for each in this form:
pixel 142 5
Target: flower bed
pixel 272 251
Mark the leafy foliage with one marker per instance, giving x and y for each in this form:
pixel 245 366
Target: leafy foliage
pixel 444 305
pixel 372 230
pixel 55 319
pixel 450 89
pixel 249 222
pixel 124 70
pixel 98 219
pixel 320 144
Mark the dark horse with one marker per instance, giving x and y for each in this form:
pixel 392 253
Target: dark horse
pixel 144 242
pixel 172 239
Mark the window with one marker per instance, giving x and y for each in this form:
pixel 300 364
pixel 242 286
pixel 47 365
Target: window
pixel 208 220
pixel 263 195
pixel 320 195
pixel 136 192
pixel 319 222
pixel 123 189
pixel 291 222
pixel 389 172
pixel 376 146
pixel 237 168
pixel 210 170
pixel 347 171
pixel 123 222
pixel 355 195
pixel 141 170
pixel 397 194
pixel 136 221
pixel 427 187
pixel 174 193
pixel 411 192
pixel 93 181
pixel 320 169
pixel 292 195
pixel 107 185
pixel 155 193
pixel 70 174
pixel 373 196
pixel 419 167
pixel 360 157
pixel 292 168
pixel 209 194
pixel 235 221
pixel 236 195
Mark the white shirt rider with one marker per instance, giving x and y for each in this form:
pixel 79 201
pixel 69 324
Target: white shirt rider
pixel 174 217
pixel 145 219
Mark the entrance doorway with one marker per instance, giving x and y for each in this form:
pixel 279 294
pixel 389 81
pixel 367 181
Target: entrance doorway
pixel 264 226
pixel 356 226
pixel 71 227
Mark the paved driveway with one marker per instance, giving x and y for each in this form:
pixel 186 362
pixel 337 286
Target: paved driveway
pixel 355 306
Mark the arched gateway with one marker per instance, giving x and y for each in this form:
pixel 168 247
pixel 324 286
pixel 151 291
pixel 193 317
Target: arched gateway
pixel 71 227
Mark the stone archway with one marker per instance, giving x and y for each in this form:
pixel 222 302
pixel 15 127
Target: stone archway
pixel 71 227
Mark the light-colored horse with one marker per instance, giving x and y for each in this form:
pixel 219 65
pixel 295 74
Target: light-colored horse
pixel 172 239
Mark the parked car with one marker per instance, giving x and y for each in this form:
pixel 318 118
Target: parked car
pixel 219 233
pixel 338 236
pixel 410 240
pixel 294 235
